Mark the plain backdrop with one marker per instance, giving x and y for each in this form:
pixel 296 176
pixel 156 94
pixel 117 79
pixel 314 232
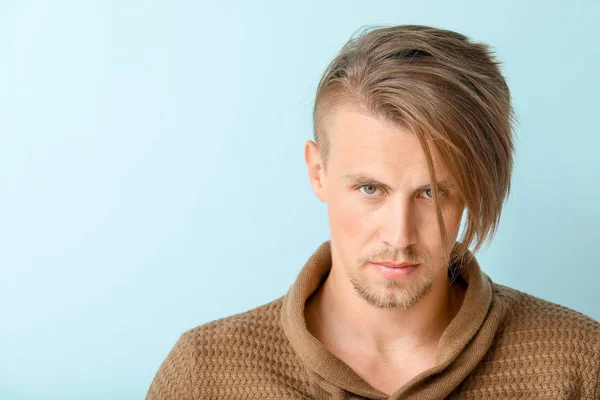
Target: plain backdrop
pixel 152 175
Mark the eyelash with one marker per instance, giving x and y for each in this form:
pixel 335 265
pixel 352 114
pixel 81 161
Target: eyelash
pixel 441 191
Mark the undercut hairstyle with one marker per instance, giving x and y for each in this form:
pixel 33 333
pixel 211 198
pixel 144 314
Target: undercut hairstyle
pixel 449 92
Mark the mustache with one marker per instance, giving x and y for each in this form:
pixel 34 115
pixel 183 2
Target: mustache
pixel 410 255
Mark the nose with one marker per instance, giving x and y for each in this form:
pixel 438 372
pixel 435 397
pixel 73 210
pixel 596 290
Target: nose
pixel 399 227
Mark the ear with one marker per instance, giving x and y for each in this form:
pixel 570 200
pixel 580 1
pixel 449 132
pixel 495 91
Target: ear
pixel 316 172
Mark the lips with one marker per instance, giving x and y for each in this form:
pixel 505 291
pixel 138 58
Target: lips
pixel 395 265
pixel 395 271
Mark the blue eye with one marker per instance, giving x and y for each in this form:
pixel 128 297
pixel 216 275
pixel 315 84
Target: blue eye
pixel 430 193
pixel 370 187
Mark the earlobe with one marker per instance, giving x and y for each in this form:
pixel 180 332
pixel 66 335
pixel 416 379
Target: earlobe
pixel 315 170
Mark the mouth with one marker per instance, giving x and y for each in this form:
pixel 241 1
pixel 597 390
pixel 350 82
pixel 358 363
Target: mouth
pixel 394 271
pixel 396 265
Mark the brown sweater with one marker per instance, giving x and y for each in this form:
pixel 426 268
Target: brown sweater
pixel 502 344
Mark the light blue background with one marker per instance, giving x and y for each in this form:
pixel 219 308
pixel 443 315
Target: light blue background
pixel 152 174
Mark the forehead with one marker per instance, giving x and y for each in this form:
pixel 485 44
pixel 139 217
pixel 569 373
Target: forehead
pixel 360 140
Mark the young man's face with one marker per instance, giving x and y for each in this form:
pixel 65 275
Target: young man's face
pixel 381 208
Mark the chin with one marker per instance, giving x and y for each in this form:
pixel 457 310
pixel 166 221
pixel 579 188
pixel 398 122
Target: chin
pixel 400 298
pixel 388 293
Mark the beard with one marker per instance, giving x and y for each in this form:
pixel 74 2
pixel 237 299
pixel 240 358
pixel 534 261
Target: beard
pixel 389 293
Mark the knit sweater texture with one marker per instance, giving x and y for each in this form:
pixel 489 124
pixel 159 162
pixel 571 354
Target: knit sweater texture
pixel 502 344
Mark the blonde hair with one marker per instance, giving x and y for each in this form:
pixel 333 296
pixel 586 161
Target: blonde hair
pixel 443 88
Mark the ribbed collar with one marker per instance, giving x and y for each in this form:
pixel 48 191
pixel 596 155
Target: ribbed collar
pixel 462 345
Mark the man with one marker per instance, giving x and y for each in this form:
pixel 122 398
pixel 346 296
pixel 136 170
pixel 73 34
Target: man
pixel 413 130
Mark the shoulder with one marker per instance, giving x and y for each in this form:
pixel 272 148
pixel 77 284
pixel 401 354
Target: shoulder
pixel 254 323
pixel 525 313
pixel 250 349
pixel 265 315
pixel 245 355
pixel 557 345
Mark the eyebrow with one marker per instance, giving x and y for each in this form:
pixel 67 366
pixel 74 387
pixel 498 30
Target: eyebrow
pixel 359 178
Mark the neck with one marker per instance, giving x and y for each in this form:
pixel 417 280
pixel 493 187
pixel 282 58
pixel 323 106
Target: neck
pixel 343 321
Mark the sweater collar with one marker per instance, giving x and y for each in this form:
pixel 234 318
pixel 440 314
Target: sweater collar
pixel 462 345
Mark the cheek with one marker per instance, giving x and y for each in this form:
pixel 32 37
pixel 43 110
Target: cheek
pixel 346 214
pixel 452 220
pixel 428 229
